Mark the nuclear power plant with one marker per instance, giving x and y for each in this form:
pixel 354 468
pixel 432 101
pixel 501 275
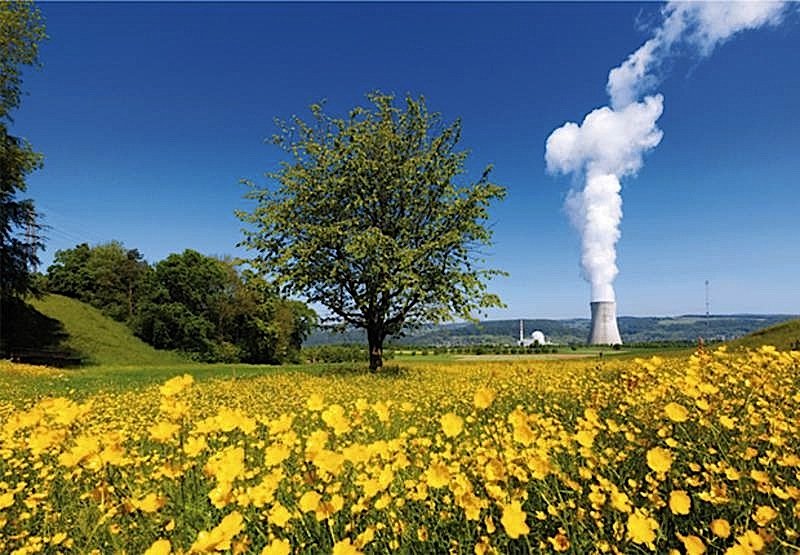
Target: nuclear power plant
pixel 604 330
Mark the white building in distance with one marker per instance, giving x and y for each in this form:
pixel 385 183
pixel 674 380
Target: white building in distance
pixel 536 338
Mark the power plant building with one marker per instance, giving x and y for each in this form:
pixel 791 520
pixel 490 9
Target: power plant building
pixel 604 330
pixel 536 338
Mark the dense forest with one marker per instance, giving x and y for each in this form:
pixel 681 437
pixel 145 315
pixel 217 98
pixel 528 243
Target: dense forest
pixel 206 307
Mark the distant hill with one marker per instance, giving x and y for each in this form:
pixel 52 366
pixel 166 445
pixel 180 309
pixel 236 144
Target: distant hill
pixel 633 330
pixel 57 323
pixel 784 336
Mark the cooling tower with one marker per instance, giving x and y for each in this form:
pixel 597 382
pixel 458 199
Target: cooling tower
pixel 604 330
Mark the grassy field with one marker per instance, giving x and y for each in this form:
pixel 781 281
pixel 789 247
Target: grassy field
pixel 142 451
pixel 585 352
pixel 695 453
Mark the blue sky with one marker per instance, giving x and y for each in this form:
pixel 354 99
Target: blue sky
pixel 148 115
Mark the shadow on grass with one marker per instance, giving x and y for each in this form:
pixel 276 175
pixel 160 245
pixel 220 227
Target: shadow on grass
pixel 27 333
pixel 388 371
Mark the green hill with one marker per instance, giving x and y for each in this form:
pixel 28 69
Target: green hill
pixel 784 336
pixel 57 323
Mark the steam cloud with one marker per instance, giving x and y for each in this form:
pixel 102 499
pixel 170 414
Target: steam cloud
pixel 611 141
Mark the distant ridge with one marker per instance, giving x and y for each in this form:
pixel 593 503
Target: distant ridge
pixel 634 329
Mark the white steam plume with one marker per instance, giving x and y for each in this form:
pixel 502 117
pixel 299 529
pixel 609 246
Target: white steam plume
pixel 610 142
pixel 699 25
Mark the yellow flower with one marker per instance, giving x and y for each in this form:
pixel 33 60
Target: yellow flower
pixel 764 515
pixel 692 544
pixel 366 537
pixel 750 541
pixel 437 475
pixel 513 520
pixel 620 501
pixel 452 424
pixel 585 437
pixel 659 459
pixel 315 402
pixel 641 527
pixel 483 397
pixel 227 465
pixel 276 454
pixel 219 538
pixel 176 385
pixel 676 412
pixel 560 542
pixel 309 501
pixel 334 417
pixel 174 409
pixel 194 446
pixel 382 410
pixel 279 515
pixel 277 547
pixel 159 547
pixel 150 503
pixel 163 431
pixel 679 502
pixel 483 546
pixel 281 424
pixel 727 422
pixel 6 499
pixel 345 547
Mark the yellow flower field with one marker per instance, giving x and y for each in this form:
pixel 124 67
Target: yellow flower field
pixel 685 455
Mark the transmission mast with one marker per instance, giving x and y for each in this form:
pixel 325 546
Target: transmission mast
pixel 708 312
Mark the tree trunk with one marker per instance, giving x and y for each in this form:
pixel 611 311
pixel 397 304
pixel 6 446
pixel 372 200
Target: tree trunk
pixel 375 340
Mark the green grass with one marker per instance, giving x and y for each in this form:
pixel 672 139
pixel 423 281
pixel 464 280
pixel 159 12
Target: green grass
pixel 564 352
pixel 19 388
pixel 83 382
pixel 783 336
pixel 96 337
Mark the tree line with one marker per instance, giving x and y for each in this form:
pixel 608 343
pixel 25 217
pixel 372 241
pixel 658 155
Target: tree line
pixel 203 306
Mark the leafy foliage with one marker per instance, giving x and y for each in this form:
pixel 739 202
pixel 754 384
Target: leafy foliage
pixel 108 276
pixel 188 302
pixel 370 220
pixel 21 30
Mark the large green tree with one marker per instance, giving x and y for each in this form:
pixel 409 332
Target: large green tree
pixel 373 218
pixel 107 276
pixel 21 31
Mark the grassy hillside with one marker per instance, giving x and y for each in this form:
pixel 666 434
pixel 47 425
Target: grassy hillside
pixel 784 336
pixel 77 327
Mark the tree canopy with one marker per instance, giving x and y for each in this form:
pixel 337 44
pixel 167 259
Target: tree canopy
pixel 107 276
pixel 201 305
pixel 21 30
pixel 373 219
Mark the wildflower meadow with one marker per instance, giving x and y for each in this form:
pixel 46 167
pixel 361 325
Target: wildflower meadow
pixel 693 455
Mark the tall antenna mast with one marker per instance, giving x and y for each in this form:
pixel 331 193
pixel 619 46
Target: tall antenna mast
pixel 708 311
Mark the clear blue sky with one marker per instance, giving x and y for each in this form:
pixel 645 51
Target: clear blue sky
pixel 149 114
